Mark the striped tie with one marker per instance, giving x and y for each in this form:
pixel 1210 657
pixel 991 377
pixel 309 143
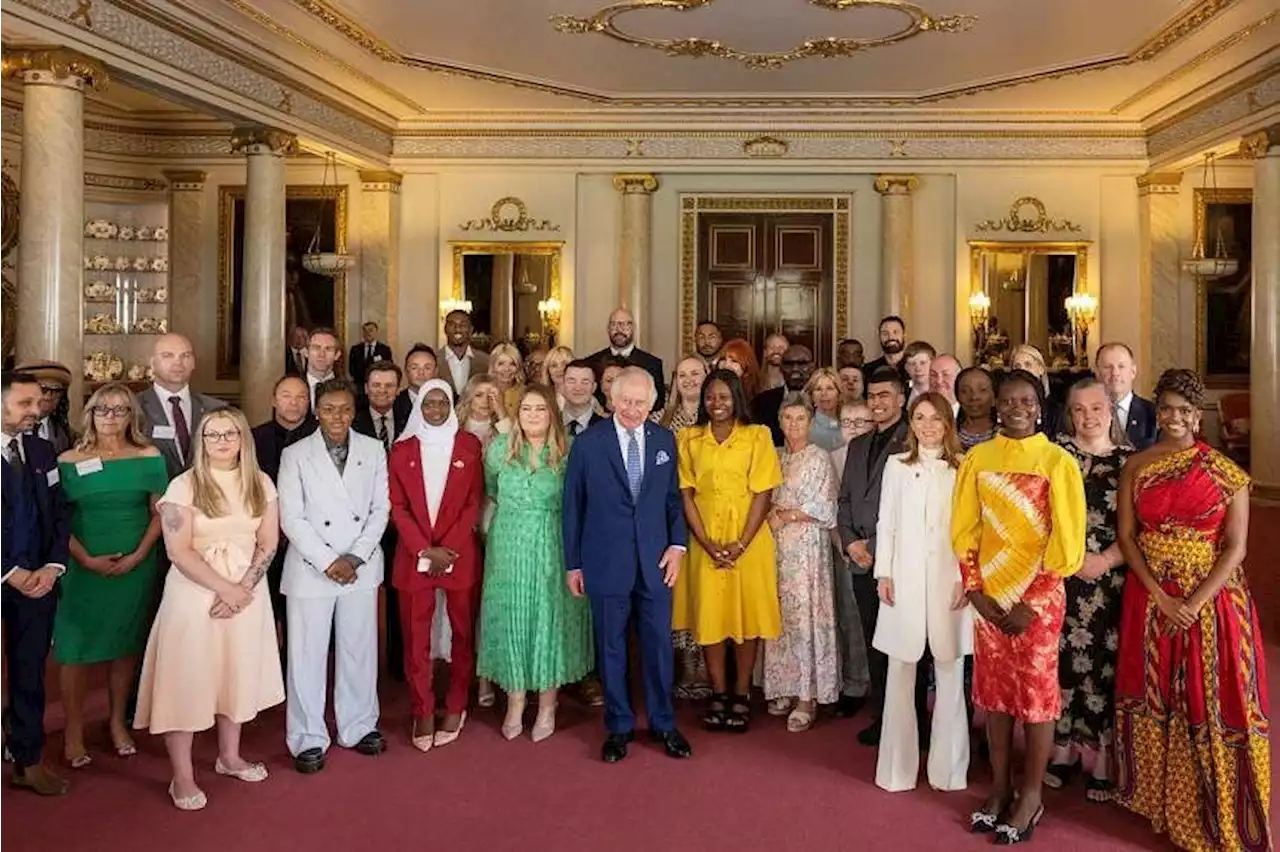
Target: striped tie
pixel 633 463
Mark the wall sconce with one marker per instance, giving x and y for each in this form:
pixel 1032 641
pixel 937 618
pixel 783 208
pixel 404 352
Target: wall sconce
pixel 549 310
pixel 1082 310
pixel 448 306
pixel 979 310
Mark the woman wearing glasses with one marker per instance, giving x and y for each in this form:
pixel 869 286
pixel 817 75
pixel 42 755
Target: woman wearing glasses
pixel 212 656
pixel 111 478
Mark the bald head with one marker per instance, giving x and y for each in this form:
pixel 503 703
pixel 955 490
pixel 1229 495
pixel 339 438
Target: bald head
pixel 943 371
pixel 173 361
pixel 622 328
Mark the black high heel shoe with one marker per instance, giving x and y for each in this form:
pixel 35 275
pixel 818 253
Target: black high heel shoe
pixel 1007 835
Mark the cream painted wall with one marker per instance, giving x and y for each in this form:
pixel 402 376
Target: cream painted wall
pixel 419 260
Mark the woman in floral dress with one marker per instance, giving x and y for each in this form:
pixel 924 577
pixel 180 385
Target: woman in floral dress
pixel 1091 628
pixel 802 666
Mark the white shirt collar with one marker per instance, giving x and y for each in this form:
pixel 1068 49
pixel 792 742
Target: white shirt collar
pixel 5 438
pixel 313 380
pixel 453 357
pixel 184 394
pixel 624 352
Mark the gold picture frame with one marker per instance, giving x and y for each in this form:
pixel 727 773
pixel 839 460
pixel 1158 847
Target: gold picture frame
pixel 547 248
pixel 1207 362
pixel 230 229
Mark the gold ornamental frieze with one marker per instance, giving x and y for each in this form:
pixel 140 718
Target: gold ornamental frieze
pixel 500 218
pixel 1016 223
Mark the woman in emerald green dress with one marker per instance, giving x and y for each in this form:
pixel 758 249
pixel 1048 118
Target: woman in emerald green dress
pixel 534 635
pixel 112 478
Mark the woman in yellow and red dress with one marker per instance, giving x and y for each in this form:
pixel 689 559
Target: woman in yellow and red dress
pixel 1018 529
pixel 1192 732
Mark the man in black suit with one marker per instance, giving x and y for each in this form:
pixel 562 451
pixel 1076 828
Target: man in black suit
pixel 382 414
pixel 366 352
pixel 622 344
pixel 34 539
pixel 797 366
pixel 859 513
pixel 54 380
pixel 1116 369
pixel 893 344
pixel 579 389
pixel 295 354
pixel 291 421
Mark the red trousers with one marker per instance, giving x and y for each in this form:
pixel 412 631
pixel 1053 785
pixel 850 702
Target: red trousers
pixel 417 609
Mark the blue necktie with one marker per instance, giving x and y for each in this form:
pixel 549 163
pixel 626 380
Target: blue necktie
pixel 633 464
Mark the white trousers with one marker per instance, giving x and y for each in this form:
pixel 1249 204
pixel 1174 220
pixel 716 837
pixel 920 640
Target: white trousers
pixel 353 621
pixel 898 764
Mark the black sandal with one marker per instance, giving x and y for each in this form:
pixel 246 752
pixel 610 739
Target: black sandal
pixel 739 719
pixel 717 716
pixel 1059 775
pixel 1009 835
pixel 1097 790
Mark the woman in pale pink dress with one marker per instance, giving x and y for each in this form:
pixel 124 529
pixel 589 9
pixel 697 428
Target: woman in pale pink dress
pixel 802 666
pixel 212 656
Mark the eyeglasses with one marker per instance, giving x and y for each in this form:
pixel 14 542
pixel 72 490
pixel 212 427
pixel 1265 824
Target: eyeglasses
pixel 856 423
pixel 617 324
pixel 52 390
pixel 228 437
pixel 108 412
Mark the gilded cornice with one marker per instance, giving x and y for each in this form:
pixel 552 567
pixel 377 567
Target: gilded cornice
pixel 1260 143
pixel 1180 27
pixel 897 184
pixel 1235 104
pixel 635 184
pixel 53 65
pixel 263 140
pixel 1159 183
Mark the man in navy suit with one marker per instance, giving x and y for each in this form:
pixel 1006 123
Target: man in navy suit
pixel 624 537
pixel 1117 370
pixel 36 531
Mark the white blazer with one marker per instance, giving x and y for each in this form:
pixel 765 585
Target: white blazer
pixel 913 548
pixel 325 515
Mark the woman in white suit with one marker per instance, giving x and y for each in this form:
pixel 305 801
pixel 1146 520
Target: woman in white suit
pixel 922 602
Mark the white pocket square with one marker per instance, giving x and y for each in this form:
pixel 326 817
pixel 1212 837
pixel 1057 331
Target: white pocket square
pixel 662 457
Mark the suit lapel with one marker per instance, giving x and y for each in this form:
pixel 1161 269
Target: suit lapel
pixel 325 466
pixel 619 462
pixel 354 470
pixel 650 458
pixel 417 488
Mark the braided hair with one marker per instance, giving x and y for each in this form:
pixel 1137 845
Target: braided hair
pixel 1185 383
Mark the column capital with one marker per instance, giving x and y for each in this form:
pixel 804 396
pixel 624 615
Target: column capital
pixel 380 181
pixel 897 184
pixel 1258 144
pixel 184 180
pixel 255 139
pixel 635 184
pixel 53 66
pixel 1159 183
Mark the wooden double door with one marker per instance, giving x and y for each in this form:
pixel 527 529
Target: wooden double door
pixel 764 273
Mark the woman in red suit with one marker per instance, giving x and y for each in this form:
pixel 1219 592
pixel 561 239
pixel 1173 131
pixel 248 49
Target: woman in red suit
pixel 436 475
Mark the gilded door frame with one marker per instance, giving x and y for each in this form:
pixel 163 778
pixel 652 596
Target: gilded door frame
pixel 1203 198
pixel 840 205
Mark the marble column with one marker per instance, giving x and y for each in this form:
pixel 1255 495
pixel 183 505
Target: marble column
pixel 186 265
pixel 51 206
pixel 635 250
pixel 380 253
pixel 1264 361
pixel 1159 277
pixel 262 332
pixel 897 246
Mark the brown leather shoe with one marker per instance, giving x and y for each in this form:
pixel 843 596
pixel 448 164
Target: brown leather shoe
pixel 39 780
pixel 590 692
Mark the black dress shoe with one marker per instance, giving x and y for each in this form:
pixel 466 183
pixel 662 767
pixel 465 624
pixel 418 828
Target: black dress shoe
pixel 673 741
pixel 849 705
pixel 372 744
pixel 309 762
pixel 615 746
pixel 870 735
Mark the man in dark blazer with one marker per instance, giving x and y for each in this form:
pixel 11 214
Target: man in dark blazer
pixel 366 352
pixel 295 354
pixel 171 411
pixel 622 344
pixel 34 540
pixel 859 513
pixel 54 380
pixel 797 366
pixel 579 388
pixel 624 538
pixel 1116 368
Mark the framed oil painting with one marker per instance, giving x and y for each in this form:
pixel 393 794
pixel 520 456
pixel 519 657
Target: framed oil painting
pixel 310 300
pixel 1224 226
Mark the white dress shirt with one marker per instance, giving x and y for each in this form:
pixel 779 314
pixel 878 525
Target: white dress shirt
pixel 584 420
pixel 378 421
pixel 312 381
pixel 5 438
pixel 184 402
pixel 1122 410
pixel 624 441
pixel 624 352
pixel 459 368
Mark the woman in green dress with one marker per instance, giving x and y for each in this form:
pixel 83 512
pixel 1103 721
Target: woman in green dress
pixel 112 478
pixel 534 635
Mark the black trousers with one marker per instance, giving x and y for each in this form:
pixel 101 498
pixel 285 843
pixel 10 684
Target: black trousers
pixel 28 633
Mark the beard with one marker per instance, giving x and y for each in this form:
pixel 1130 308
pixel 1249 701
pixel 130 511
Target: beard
pixel 891 347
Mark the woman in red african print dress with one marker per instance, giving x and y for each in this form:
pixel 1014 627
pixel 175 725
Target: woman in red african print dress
pixel 1192 733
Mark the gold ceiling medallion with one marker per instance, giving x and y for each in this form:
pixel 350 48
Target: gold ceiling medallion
pixel 1015 224
pixel 919 21
pixel 765 146
pixel 499 220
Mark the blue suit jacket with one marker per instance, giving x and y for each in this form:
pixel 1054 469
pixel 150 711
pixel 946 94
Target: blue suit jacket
pixel 1141 427
pixel 614 540
pixel 34 533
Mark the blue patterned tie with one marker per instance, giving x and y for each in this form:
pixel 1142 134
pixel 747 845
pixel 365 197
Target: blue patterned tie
pixel 633 463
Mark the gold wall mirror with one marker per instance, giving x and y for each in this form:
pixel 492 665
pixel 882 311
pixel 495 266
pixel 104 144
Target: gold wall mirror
pixel 511 290
pixel 1030 292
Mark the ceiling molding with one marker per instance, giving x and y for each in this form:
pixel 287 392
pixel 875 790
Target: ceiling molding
pixel 348 28
pixel 112 138
pixel 1222 116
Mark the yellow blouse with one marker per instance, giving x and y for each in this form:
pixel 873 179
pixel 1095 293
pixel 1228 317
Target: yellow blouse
pixel 1018 510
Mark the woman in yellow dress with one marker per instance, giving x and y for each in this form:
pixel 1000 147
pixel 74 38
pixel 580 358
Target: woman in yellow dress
pixel 729 592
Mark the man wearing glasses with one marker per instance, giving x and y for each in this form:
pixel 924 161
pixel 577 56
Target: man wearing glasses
pixel 622 344
pixel 54 379
pixel 797 366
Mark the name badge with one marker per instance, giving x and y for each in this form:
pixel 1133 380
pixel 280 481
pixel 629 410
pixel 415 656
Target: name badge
pixel 162 432
pixel 88 466
pixel 52 477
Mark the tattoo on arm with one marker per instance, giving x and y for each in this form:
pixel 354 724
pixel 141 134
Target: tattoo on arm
pixel 173 517
pixel 258 566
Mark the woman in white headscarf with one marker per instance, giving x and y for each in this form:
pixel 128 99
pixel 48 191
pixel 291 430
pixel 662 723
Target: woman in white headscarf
pixel 436 475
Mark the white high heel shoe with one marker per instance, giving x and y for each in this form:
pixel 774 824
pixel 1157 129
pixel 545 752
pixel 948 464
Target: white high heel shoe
pixel 545 725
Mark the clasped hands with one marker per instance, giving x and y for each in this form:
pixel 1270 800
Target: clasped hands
pixel 1013 621
pixel 231 599
pixel 34 584
pixel 113 564
pixel 727 555
pixel 1179 613
pixel 439 560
